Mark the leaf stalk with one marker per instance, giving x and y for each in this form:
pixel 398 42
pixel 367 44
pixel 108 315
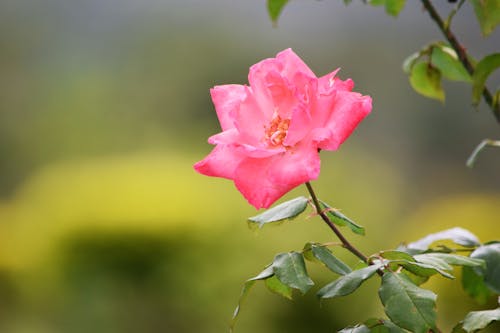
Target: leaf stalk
pixel 462 54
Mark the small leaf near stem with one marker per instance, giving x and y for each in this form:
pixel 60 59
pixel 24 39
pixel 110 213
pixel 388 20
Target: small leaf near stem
pixel 462 54
pixel 347 245
pixel 447 23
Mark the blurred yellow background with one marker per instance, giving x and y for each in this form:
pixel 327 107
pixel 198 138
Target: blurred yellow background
pixel 104 107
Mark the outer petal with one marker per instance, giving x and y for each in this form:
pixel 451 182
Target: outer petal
pixel 221 162
pixel 227 137
pixel 263 181
pixel 292 64
pixel 227 100
pixel 329 82
pixel 348 110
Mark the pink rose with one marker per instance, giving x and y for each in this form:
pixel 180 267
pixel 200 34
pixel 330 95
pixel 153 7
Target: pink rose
pixel 273 130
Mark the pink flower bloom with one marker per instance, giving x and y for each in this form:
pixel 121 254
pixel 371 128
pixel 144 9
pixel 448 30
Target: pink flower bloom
pixel 272 130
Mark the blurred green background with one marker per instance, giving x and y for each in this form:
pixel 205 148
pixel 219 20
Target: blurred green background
pixel 104 107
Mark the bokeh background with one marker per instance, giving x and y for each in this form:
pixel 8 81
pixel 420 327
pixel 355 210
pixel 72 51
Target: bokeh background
pixel 104 107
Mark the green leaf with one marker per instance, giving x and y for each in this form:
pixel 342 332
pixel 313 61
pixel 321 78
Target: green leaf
pixel 412 265
pixel 285 211
pixel 407 305
pixel 446 60
pixel 416 279
pixel 356 329
pixel 341 220
pixel 488 14
pixel 426 80
pixel 474 286
pixel 325 256
pixel 483 70
pixel 396 255
pixel 392 7
pixel 477 320
pixel 383 326
pixel 274 7
pixel 265 274
pixel 429 259
pixel 276 286
pixel 348 283
pixel 424 269
pixel 290 269
pixel 454 259
pixel 458 235
pixel 410 61
pixel 491 255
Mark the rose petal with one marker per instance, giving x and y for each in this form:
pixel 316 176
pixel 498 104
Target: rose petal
pixel 348 110
pixel 296 167
pixel 329 82
pixel 227 137
pixel 292 64
pixel 221 162
pixel 300 124
pixel 227 100
pixel 263 181
pixel 251 122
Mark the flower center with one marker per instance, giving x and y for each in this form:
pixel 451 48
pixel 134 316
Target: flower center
pixel 276 131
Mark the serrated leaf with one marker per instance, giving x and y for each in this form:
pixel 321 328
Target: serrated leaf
pixel 429 259
pixel 474 285
pixel 396 255
pixel 341 220
pixel 290 269
pixel 426 80
pixel 274 7
pixel 416 279
pixel 458 235
pixel 325 256
pixel 491 255
pixel 284 211
pixel 276 286
pixel 446 60
pixel 383 326
pixel 348 283
pixel 407 305
pixel 488 14
pixel 419 271
pixel 483 70
pixel 477 320
pixel 424 269
pixel 455 259
pixel 266 273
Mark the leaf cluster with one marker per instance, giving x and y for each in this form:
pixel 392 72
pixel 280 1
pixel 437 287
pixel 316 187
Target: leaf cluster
pixel 403 270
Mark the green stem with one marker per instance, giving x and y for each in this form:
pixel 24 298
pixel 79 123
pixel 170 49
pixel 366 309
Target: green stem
pixel 345 243
pixel 462 54
pixel 486 142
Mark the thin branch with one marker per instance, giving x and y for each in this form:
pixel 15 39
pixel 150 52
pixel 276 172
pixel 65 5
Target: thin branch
pixel 345 243
pixel 485 143
pixel 462 54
